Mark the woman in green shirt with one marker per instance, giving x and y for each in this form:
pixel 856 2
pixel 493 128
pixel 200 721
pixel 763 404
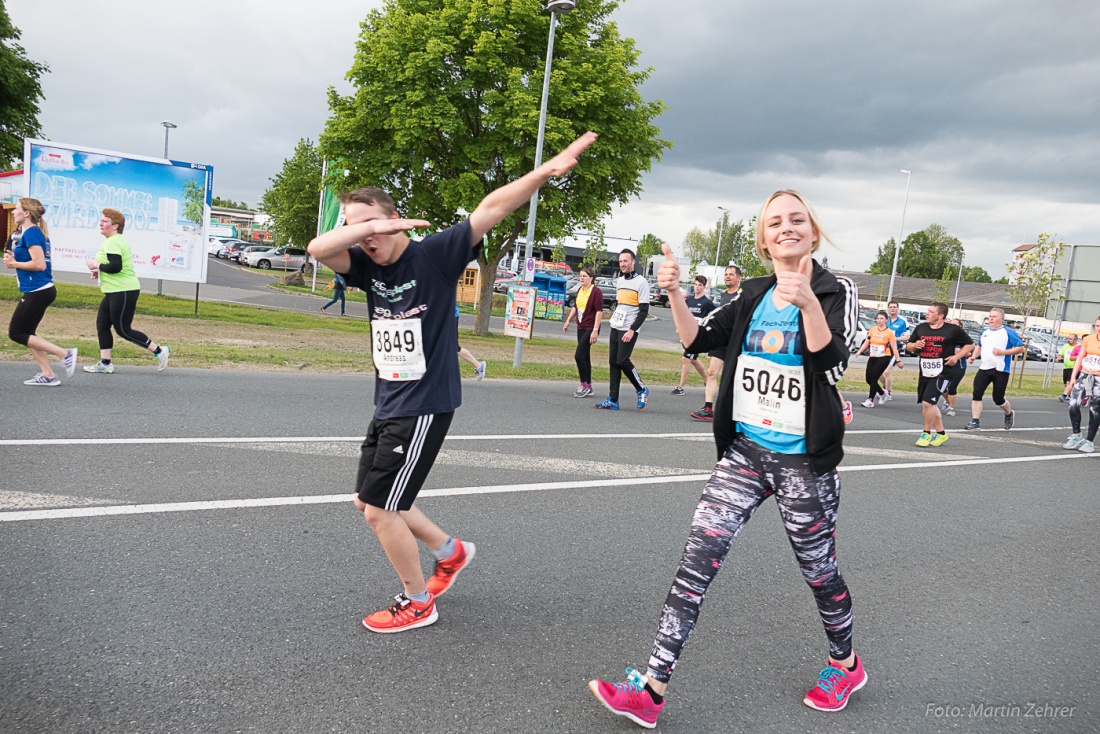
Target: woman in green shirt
pixel 114 267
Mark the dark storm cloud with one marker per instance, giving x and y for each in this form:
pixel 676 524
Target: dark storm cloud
pixel 757 81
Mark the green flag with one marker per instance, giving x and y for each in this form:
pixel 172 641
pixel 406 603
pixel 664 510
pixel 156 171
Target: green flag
pixel 332 211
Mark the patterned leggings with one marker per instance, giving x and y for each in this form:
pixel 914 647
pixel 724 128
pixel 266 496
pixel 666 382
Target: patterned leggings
pixel 746 476
pixel 1087 386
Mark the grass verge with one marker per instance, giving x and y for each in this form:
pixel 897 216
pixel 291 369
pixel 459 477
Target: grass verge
pixel 234 336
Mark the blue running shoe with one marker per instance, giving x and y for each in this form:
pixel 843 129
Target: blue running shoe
pixel 643 397
pixel 607 404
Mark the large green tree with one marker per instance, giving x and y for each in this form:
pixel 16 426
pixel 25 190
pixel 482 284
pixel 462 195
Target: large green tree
pixel 292 199
pixel 446 109
pixel 924 254
pixel 20 93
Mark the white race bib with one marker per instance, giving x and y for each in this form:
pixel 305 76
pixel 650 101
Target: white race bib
pixel 397 347
pixel 770 395
pixel 618 319
pixel 1091 364
pixel 878 350
pixel 931 367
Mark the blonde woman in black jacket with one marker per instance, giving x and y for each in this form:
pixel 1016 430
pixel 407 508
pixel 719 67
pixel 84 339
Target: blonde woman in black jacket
pixel 778 426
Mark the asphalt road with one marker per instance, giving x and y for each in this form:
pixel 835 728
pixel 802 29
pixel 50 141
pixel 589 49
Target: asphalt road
pixel 228 597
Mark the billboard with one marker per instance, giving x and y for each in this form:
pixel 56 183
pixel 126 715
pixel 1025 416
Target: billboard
pixel 166 205
pixel 1080 272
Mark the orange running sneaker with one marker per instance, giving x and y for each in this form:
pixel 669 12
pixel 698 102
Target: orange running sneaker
pixel 405 614
pixel 445 571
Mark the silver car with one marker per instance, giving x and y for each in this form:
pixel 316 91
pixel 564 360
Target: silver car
pixel 280 258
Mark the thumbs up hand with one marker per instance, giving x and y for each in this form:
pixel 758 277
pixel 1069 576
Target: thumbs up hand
pixel 793 286
pixel 668 273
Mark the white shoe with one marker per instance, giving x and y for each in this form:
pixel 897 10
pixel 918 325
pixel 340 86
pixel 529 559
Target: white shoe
pixel 479 371
pixel 1073 442
pixel 868 403
pixel 68 362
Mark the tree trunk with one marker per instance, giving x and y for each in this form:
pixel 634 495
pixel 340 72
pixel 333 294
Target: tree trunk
pixel 488 260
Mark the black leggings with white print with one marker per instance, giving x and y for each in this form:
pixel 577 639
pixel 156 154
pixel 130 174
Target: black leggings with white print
pixel 747 475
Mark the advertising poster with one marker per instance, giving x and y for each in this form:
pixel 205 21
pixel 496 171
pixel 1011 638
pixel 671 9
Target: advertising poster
pixel 519 314
pixel 166 205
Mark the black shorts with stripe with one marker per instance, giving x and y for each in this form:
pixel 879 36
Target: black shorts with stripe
pixel 931 389
pixel 396 457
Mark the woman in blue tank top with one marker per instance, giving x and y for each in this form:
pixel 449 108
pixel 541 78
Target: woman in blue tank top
pixel 28 253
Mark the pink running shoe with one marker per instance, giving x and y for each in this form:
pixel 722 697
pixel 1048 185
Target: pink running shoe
pixel 629 699
pixel 848 411
pixel 834 686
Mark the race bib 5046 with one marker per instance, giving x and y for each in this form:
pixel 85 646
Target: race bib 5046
pixel 770 395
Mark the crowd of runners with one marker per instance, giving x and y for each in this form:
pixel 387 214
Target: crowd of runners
pixel 778 346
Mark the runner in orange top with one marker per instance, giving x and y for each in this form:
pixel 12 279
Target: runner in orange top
pixel 1086 388
pixel 883 344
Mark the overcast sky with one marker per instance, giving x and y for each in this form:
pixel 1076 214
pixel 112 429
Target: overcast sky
pixel 993 104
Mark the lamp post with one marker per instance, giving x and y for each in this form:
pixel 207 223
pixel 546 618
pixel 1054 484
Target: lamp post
pixel 897 245
pixel 168 125
pixel 556 8
pixel 718 247
pixel 958 282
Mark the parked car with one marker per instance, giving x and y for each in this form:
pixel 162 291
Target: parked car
pixel 863 328
pixel 502 285
pixel 280 258
pixel 231 249
pixel 242 256
pixel 214 247
pixel 1043 347
pixel 606 286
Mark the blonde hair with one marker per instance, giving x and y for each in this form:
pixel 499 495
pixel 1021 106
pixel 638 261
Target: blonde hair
pixel 761 251
pixel 35 210
pixel 116 216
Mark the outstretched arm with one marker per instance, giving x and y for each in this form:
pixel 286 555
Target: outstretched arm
pixel 500 203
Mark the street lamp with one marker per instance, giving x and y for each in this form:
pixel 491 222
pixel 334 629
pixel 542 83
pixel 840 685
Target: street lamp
pixel 958 283
pixel 556 8
pixel 897 245
pixel 718 248
pixel 168 125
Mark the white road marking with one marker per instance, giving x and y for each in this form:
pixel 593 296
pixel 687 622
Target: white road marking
pixel 486 460
pixel 78 512
pixel 922 455
pixel 20 500
pixel 478 437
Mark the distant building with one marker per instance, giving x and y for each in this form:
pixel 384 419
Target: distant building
pixel 1017 253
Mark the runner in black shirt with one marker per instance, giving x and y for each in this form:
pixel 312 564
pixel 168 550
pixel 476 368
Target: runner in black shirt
pixel 935 342
pixel 699 305
pixel 410 289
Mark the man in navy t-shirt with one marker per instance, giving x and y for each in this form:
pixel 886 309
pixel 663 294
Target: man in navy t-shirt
pixel 410 289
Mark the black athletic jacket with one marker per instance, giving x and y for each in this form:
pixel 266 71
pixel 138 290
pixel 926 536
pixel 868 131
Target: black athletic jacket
pixel 726 326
